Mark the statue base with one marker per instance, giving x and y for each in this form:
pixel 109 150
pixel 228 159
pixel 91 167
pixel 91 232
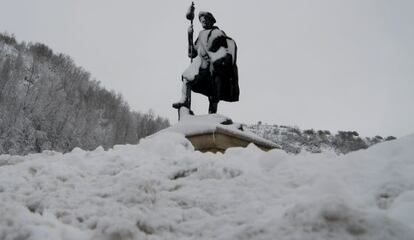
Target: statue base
pixel 221 139
pixel 216 133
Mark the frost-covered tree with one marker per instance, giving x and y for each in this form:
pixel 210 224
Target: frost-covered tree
pixel 293 140
pixel 47 102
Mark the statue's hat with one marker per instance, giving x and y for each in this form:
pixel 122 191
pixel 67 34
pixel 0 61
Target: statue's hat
pixel 207 15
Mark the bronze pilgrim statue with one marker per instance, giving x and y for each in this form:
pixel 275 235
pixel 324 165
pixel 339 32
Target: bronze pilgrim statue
pixel 213 72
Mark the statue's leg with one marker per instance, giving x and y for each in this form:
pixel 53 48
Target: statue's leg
pixel 185 100
pixel 215 98
pixel 212 107
pixel 187 89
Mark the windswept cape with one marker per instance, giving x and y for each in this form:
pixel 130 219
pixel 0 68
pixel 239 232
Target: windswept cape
pixel 217 54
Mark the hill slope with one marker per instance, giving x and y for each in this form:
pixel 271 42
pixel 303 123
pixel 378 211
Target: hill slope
pixel 294 140
pixel 49 103
pixel 162 189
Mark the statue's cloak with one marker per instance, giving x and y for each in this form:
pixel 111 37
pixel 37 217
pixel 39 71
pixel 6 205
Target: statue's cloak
pixel 216 56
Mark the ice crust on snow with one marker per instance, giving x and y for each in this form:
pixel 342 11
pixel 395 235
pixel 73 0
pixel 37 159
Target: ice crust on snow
pixel 163 189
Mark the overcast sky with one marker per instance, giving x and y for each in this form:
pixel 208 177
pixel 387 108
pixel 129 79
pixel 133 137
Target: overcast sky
pixel 322 64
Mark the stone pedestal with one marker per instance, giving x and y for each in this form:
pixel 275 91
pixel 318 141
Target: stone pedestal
pixel 216 133
pixel 221 139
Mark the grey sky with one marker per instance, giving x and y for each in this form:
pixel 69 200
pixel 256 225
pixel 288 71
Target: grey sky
pixel 323 64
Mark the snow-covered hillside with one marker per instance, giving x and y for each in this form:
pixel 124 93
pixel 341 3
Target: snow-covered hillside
pixel 163 189
pixel 49 103
pixel 295 140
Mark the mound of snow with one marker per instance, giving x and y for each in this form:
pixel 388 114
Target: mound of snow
pixel 163 189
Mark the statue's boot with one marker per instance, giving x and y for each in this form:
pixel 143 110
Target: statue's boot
pixel 185 100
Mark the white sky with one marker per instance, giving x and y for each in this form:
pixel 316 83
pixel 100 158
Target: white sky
pixel 323 64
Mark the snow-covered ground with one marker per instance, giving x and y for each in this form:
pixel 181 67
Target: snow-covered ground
pixel 163 189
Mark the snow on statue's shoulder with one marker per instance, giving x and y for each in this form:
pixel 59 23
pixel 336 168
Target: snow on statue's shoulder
pixel 215 132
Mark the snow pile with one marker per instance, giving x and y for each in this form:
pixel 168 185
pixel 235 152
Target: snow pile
pixel 163 189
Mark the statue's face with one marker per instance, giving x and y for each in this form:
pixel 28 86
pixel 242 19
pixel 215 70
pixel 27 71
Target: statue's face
pixel 206 22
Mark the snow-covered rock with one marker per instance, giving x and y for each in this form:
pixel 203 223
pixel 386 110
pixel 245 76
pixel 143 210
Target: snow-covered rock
pixel 163 189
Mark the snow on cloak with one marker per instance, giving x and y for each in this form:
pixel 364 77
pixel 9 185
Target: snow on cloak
pixel 217 53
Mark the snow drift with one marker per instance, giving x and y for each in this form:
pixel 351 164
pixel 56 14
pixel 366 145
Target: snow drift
pixel 163 189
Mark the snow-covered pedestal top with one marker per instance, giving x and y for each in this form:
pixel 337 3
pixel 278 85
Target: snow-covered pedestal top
pixel 215 132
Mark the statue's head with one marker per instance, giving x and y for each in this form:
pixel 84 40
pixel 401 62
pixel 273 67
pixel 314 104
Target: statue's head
pixel 207 19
